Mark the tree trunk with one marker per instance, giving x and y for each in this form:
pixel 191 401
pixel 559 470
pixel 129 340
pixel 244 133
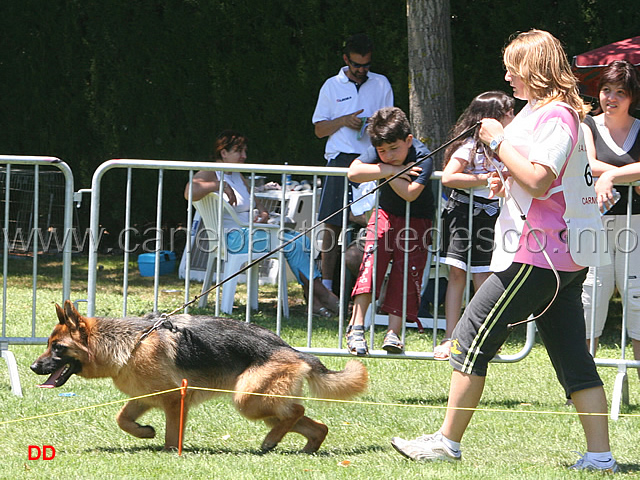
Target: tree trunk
pixel 431 102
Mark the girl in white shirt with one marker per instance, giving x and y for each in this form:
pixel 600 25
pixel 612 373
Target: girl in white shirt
pixel 469 164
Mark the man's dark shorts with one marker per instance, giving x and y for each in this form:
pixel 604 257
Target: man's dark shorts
pixel 333 190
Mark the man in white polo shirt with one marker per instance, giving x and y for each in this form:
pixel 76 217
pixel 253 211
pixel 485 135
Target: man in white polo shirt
pixel 345 102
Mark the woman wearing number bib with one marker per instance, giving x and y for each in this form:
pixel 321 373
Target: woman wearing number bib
pixel 548 182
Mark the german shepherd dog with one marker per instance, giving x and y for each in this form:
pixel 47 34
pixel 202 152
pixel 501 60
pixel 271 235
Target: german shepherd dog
pixel 209 352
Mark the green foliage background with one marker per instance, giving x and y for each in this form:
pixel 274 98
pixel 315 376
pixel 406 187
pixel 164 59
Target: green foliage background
pixel 88 80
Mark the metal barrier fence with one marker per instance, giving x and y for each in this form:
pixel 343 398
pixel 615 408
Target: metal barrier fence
pixel 433 323
pixel 22 187
pixel 252 171
pixel 161 167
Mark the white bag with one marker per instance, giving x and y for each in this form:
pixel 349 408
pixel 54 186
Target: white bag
pixel 360 207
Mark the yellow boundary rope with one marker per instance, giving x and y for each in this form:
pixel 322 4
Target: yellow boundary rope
pixel 404 405
pixel 89 407
pixel 352 402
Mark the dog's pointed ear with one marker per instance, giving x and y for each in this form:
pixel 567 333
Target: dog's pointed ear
pixel 72 316
pixel 60 313
pixel 78 325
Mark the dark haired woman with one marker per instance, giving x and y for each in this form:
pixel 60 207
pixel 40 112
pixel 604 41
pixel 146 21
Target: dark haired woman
pixel 613 146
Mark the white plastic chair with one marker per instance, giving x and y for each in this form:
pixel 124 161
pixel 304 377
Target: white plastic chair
pixel 209 209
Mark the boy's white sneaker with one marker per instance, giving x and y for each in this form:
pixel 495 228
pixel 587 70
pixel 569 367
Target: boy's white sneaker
pixel 585 463
pixel 426 448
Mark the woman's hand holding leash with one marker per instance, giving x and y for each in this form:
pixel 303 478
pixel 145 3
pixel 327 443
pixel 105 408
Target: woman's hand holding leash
pixel 495 185
pixel 490 128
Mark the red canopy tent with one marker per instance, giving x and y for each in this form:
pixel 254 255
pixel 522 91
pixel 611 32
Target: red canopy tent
pixel 588 66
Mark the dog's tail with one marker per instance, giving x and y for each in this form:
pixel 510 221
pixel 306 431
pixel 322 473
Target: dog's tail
pixel 339 385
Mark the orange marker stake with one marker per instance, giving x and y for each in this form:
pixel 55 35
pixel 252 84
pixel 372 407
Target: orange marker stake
pixel 183 393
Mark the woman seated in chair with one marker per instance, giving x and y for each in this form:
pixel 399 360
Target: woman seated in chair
pixel 231 147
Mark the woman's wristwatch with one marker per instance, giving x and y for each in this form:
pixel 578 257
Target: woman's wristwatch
pixel 495 142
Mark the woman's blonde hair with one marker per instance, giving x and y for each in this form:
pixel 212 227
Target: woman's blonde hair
pixel 538 58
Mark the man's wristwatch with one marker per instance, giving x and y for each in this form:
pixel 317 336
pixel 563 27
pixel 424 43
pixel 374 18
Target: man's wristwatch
pixel 495 142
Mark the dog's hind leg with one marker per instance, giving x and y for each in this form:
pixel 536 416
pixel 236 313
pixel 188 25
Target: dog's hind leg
pixel 314 431
pixel 280 377
pixel 127 417
pixel 281 426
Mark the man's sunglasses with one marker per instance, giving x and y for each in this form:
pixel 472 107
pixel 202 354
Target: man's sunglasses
pixel 358 65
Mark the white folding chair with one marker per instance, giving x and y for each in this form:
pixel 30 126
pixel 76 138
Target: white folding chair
pixel 209 209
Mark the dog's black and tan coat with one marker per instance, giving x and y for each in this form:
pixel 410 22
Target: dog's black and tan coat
pixel 209 352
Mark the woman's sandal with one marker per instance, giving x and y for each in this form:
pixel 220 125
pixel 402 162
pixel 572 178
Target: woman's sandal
pixel 334 307
pixel 356 344
pixel 323 312
pixel 443 351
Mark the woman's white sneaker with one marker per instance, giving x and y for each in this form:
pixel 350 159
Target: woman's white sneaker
pixel 586 463
pixel 426 448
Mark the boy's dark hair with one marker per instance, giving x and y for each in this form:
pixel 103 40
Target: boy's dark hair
pixel 359 43
pixel 388 125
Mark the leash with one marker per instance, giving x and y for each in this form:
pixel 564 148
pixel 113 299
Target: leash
pixel 163 322
pixel 317 224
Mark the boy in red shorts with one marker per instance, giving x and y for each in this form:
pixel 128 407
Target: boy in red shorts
pixel 393 149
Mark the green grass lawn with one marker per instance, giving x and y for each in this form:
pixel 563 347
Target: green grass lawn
pixel 523 429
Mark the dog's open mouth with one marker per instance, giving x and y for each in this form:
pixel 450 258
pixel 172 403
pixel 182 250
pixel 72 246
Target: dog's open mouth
pixel 60 376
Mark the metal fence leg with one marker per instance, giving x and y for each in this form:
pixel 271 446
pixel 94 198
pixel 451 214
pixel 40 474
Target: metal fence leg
pixel 14 378
pixel 620 392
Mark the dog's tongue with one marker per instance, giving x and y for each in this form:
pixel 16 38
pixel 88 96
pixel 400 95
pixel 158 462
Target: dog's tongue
pixel 53 378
